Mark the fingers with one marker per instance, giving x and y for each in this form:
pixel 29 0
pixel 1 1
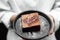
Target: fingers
pixel 13 18
pixel 52 28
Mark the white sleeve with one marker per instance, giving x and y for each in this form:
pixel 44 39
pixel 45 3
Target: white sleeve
pixel 4 14
pixel 5 18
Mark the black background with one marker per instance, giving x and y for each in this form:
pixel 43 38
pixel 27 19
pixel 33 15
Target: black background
pixel 3 32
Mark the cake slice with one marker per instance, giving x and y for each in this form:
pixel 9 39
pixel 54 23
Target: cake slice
pixel 30 20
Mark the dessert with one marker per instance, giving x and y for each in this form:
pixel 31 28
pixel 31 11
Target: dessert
pixel 30 20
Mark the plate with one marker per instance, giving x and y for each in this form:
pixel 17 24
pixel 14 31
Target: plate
pixel 45 26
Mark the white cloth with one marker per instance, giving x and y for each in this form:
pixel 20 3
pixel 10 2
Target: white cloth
pixel 18 6
pixel 12 35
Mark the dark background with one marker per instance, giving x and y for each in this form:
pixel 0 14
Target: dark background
pixel 4 30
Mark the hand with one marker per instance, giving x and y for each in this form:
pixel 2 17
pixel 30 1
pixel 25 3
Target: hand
pixel 13 18
pixel 52 29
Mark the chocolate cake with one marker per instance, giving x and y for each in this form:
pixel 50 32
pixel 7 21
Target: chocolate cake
pixel 30 22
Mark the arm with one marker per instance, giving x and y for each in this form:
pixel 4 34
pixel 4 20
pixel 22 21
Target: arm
pixel 5 14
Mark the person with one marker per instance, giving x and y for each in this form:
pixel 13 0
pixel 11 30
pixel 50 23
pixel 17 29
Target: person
pixel 9 9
